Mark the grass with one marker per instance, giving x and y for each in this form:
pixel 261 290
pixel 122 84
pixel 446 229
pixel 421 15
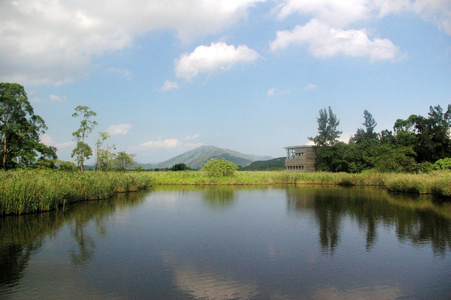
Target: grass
pixel 31 191
pixel 40 190
pixel 437 183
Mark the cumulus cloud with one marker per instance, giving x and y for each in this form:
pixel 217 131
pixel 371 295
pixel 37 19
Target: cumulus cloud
pixel 119 129
pixel 208 59
pixel 169 85
pixel 47 140
pixel 343 13
pixel 192 137
pixel 55 41
pixel 326 41
pixel 170 143
pixel 335 13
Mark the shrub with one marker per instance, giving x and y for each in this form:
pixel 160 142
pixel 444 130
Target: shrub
pixel 219 167
pixel 442 164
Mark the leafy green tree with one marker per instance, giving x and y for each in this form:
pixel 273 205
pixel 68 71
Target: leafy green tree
pixel 19 128
pixel 180 167
pixel 104 157
pixel 328 133
pixel 219 167
pixel 83 151
pixel 367 133
pixel 429 137
pixel 124 161
pixel 66 165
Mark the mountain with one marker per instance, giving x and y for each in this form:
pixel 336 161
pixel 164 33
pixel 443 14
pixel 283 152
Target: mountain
pixel 271 164
pixel 196 158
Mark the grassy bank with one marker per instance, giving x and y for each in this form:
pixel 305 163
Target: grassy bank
pixel 32 191
pixel 437 183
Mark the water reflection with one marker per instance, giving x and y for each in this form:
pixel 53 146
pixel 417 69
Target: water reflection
pixel 232 243
pixel 21 236
pixel 418 219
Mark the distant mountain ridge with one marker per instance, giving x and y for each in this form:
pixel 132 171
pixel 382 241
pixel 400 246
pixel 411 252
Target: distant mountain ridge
pixel 196 158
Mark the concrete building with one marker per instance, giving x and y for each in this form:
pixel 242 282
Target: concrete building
pixel 301 158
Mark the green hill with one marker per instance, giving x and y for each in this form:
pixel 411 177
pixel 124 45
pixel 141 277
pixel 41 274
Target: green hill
pixel 196 158
pixel 272 164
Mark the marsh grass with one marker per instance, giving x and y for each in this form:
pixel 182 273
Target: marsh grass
pixel 32 191
pixel 437 183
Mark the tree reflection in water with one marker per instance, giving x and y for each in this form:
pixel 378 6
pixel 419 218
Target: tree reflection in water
pixel 418 219
pixel 21 236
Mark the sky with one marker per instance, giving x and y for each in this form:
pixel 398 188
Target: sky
pixel 165 77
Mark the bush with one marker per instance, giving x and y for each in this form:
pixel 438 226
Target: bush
pixel 219 167
pixel 442 164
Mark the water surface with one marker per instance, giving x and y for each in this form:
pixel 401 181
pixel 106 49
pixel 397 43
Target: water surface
pixel 232 243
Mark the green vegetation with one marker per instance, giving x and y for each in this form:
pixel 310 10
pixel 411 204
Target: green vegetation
pixel 83 151
pixel 20 129
pixel 413 146
pixel 219 168
pixel 437 182
pixel 43 190
pixel 266 165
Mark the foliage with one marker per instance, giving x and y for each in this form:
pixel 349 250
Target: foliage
pixel 180 167
pixel 219 167
pixel 442 164
pixel 104 157
pixel 123 161
pixel 328 133
pixel 429 137
pixel 19 129
pixel 266 165
pixel 42 190
pixel 83 151
pixel 65 165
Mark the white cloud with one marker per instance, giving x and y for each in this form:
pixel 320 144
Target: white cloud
pixel 335 13
pixel 169 85
pixel 310 87
pixel 161 144
pixel 217 56
pixel 345 12
pixel 47 140
pixel 54 41
pixel 192 137
pixel 326 41
pixel 119 129
pixel 271 92
pixel 168 144
pixel 55 98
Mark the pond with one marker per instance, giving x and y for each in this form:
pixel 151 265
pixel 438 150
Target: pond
pixel 291 242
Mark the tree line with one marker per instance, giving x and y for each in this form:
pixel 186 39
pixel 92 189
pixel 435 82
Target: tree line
pixel 417 144
pixel 21 147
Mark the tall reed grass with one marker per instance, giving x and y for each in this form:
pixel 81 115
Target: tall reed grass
pixel 437 183
pixel 39 190
pixel 31 191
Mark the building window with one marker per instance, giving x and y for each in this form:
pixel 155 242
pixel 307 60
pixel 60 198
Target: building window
pixel 300 154
pixel 290 153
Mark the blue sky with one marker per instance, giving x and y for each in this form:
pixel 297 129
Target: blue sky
pixel 167 76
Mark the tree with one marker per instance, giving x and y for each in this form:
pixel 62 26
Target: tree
pixel 429 137
pixel 124 161
pixel 104 157
pixel 82 151
pixel 368 133
pixel 180 167
pixel 19 128
pixel 327 129
pixel 219 167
